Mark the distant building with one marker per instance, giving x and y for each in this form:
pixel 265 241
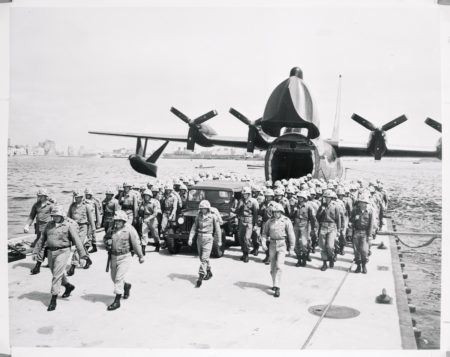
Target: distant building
pixel 49 147
pixel 71 151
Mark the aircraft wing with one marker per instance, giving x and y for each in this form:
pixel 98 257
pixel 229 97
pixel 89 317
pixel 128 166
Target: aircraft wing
pixel 229 141
pixel 346 149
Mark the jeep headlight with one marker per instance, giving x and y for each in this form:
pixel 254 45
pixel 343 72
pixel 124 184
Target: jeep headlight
pixel 180 220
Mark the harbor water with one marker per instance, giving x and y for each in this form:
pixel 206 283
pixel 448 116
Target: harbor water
pixel 413 186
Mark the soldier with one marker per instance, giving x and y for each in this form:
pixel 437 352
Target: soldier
pixel 110 207
pixel 304 218
pixel 148 212
pixel 247 212
pixel 361 221
pixel 206 228
pixel 169 208
pixel 81 213
pixel 119 242
pixel 129 203
pixel 183 195
pixel 329 220
pixel 276 230
pixel 119 195
pixel 279 198
pixel 342 209
pixel 265 212
pixel 57 237
pixel 40 210
pixel 96 207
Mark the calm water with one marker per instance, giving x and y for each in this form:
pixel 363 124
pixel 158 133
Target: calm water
pixel 414 191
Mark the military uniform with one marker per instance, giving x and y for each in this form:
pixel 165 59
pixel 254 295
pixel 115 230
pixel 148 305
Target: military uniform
pixel 110 207
pixel 129 204
pixel 329 220
pixel 42 213
pixel 362 225
pixel 148 212
pixel 247 212
pixel 276 230
pixel 96 208
pixel 304 221
pixel 82 214
pixel 169 208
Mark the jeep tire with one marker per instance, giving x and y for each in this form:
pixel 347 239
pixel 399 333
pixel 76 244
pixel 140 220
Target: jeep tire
pixel 172 246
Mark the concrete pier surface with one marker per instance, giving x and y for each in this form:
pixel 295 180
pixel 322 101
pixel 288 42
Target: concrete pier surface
pixel 233 310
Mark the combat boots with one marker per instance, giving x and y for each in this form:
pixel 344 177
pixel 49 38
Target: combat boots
pixel 199 281
pixel 364 270
pixel 143 246
pixel 69 288
pixel 209 274
pixel 245 258
pixel 71 270
pixel 94 248
pixel 307 257
pixel 157 246
pixel 304 259
pixel 299 263
pixel 267 258
pixel 358 267
pixel 36 269
pixel 324 266
pixel 116 303
pixel 332 263
pixel 52 305
pixel 126 290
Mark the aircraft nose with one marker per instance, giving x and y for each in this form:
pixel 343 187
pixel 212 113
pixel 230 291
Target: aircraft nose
pixel 297 72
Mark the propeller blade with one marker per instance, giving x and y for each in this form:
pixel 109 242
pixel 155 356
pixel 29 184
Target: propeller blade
pixel 192 136
pixel 240 116
pixel 251 139
pixel 139 148
pixel 365 123
pixel 394 123
pixel 155 156
pixel 434 124
pixel 258 122
pixel 180 115
pixel 205 117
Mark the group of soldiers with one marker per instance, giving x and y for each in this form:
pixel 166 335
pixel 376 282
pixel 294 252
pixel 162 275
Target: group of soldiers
pixel 294 216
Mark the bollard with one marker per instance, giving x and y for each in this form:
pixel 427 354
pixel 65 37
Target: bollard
pixel 408 290
pixel 417 332
pixel 412 308
pixel 398 247
pixel 402 265
pixel 414 322
pixel 400 255
pixel 405 276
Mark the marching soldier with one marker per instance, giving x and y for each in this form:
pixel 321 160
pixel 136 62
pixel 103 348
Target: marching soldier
pixel 119 242
pixel 148 212
pixel 279 198
pixel 183 195
pixel 169 208
pixel 129 203
pixel 361 221
pixel 265 212
pixel 81 213
pixel 247 212
pixel 329 220
pixel 41 210
pixel 110 207
pixel 57 237
pixel 206 228
pixel 304 219
pixel 97 211
pixel 277 229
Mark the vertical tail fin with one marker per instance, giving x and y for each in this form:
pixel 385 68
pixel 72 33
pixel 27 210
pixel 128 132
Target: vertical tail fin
pixel 335 136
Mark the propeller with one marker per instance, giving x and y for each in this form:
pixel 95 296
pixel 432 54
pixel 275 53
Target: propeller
pixel 194 125
pixel 377 141
pixel 434 124
pixel 252 128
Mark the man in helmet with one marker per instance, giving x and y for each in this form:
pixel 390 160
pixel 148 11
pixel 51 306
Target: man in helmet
pixel 82 214
pixel 119 195
pixel 119 242
pixel 41 210
pixel 247 213
pixel 148 213
pixel 361 221
pixel 304 222
pixel 58 236
pixel 110 206
pixel 129 203
pixel 340 243
pixel 183 195
pixel 169 208
pixel 279 198
pixel 96 208
pixel 206 228
pixel 278 237
pixel 265 212
pixel 329 220
pixel 291 198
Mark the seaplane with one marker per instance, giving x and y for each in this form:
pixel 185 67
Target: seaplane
pixel 289 132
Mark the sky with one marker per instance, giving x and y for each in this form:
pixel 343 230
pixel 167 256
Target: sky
pixel 75 69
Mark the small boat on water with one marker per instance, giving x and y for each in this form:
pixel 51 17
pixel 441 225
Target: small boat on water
pixel 255 166
pixel 204 167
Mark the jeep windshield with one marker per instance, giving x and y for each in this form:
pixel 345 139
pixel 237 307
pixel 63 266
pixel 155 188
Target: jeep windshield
pixel 220 199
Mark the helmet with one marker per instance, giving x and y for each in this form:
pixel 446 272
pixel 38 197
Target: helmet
pixel 268 183
pixel 256 188
pixel 168 187
pixel 135 186
pixel 319 190
pixel 204 204
pixel 312 191
pixel 58 211
pixel 371 189
pixel 278 192
pixel 277 183
pixel 340 191
pixel 363 198
pixel 143 187
pixel 269 192
pixel 290 189
pixel 77 193
pixel 120 216
pixel 246 189
pixel 147 192
pixel 149 185
pixel 284 182
pixel 88 191
pixel 125 184
pixel 302 194
pixel 328 193
pixel 176 182
pixel 42 192
pixel 183 187
pixel 109 191
pixel 119 188
pixel 330 186
pixel 277 207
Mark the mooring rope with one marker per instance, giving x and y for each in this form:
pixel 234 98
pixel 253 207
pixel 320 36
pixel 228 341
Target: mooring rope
pixel 419 246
